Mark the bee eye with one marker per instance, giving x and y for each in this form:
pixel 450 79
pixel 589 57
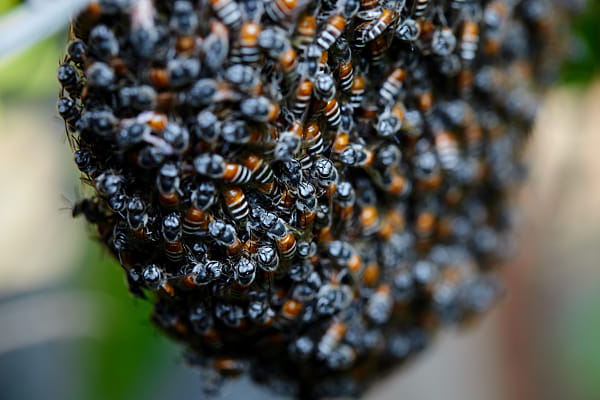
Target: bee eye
pixel 295 184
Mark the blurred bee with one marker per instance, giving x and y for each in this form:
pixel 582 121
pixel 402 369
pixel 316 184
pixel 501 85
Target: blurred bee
pixel 395 183
pixel 102 43
pixel 345 70
pixel 343 202
pixel 345 256
pixel 259 109
pixel 100 77
pixel 135 282
pixel 378 48
pixel 369 10
pixel 389 122
pixel 183 19
pixel 323 224
pixel 290 311
pixel 274 41
pixel 206 126
pixel 425 222
pixel 323 86
pixel 182 71
pixel 408 30
pixel 389 156
pixel 332 31
pixel 90 209
pixel 447 150
pixel 306 28
pixel 228 12
pixel 369 220
pixel 331 339
pixel 109 183
pixel 443 42
pixel 232 316
pixel 350 8
pixel 301 348
pixel 357 155
pixel 391 88
pixel 137 98
pixel 420 7
pixel 216 46
pixel 289 143
pixel 249 51
pixel 280 10
pixel 288 62
pixel 214 166
pixel 380 304
pixel 469 41
pixel 424 101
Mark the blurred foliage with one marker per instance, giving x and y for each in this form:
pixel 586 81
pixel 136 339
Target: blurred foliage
pixel 579 354
pixel 32 73
pixel 126 364
pixel 584 61
pixel 6 5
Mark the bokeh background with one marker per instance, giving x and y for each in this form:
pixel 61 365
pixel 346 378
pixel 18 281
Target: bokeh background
pixel 69 329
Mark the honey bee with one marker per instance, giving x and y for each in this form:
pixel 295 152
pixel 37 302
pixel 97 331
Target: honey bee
pixel 330 340
pixel 469 41
pixel 225 235
pixel 332 31
pixel 280 10
pixel 197 217
pixel 302 98
pixel 306 28
pixel 214 166
pixel 357 91
pixel 172 231
pixel 236 203
pixel 420 7
pixel 228 12
pixel 375 29
pixel 390 90
pixel 249 51
pixel 167 182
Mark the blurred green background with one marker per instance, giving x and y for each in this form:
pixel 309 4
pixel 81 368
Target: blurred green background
pixel 70 330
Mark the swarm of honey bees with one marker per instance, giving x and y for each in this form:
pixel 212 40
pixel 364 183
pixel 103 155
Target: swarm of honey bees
pixel 305 189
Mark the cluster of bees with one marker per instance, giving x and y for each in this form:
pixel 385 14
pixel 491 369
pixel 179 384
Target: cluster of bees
pixel 306 189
